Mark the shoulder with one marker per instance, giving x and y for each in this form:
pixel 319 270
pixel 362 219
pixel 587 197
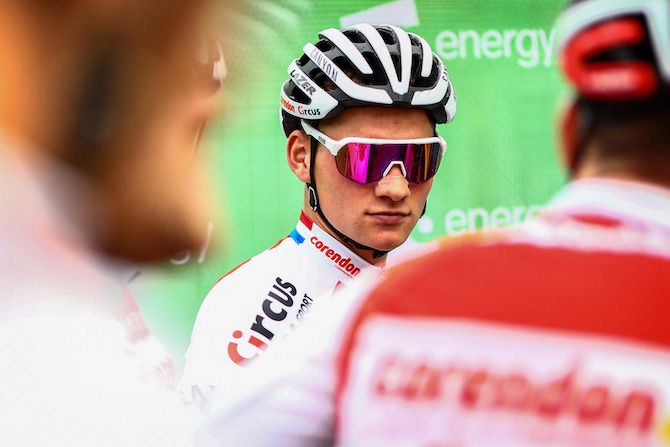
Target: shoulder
pixel 253 274
pixel 237 298
pixel 445 251
pixel 239 318
pixel 264 263
pixel 510 277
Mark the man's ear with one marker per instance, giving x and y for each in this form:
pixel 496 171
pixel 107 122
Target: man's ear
pixel 298 154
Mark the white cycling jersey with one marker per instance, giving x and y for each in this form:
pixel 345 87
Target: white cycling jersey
pixel 260 302
pixel 554 333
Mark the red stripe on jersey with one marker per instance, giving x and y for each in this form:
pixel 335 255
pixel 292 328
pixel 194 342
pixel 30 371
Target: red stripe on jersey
pixel 338 286
pixel 244 262
pixel 306 220
pixel 590 293
pixel 229 272
pixel 594 219
pixel 585 218
pixel 279 242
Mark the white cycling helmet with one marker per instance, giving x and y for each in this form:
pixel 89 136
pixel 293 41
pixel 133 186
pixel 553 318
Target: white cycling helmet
pixel 365 65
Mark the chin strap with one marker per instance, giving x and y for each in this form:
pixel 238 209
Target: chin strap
pixel 314 204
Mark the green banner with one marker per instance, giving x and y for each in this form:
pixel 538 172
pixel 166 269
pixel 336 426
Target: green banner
pixel 501 163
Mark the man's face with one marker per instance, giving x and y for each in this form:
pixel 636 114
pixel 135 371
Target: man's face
pixel 154 186
pixel 158 198
pixel 381 214
pixel 147 197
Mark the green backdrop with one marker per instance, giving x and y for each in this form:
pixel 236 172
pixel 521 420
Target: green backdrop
pixel 501 162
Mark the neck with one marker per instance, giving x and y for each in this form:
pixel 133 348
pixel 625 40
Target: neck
pixel 641 170
pixel 366 255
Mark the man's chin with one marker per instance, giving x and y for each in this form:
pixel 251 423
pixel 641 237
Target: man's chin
pixel 142 238
pixel 388 243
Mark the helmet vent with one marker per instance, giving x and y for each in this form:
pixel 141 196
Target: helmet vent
pixel 415 78
pixel 642 51
pixel 388 36
pixel 304 59
pixel 354 36
pixel 324 45
pixel 434 72
pixel 377 78
pixel 396 64
pixel 300 96
pixel 323 81
pixel 345 65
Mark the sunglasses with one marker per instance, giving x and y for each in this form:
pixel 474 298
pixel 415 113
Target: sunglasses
pixel 368 160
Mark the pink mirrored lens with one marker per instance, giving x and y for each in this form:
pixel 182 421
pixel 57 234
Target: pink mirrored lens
pixel 366 163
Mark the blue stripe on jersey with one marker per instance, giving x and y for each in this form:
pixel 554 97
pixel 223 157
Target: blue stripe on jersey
pixel 296 236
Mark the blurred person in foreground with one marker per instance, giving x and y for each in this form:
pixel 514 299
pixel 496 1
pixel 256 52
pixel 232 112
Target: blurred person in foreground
pixel 553 333
pixel 359 110
pixel 99 109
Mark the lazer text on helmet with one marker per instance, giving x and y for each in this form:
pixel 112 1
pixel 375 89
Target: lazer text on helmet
pixel 302 81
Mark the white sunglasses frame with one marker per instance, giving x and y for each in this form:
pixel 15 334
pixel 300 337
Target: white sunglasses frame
pixel 334 146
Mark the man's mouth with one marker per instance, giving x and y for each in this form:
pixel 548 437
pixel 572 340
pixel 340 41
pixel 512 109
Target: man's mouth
pixel 388 217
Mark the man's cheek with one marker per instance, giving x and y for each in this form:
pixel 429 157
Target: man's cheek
pixel 420 193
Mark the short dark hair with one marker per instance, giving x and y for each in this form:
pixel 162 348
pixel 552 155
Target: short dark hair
pixel 638 132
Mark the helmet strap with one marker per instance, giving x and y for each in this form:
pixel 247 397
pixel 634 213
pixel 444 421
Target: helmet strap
pixel 315 205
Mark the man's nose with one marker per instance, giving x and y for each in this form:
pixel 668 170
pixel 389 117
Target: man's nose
pixel 394 185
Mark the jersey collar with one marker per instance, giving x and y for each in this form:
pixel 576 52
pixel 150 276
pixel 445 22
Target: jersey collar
pixel 327 250
pixel 633 204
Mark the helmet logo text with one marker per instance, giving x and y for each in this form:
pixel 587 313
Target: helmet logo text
pixel 302 82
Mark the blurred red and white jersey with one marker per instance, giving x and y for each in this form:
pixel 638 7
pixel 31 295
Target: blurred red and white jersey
pixel 70 373
pixel 554 333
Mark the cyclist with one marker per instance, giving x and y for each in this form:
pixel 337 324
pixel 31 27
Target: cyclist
pixel 554 333
pixel 359 111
